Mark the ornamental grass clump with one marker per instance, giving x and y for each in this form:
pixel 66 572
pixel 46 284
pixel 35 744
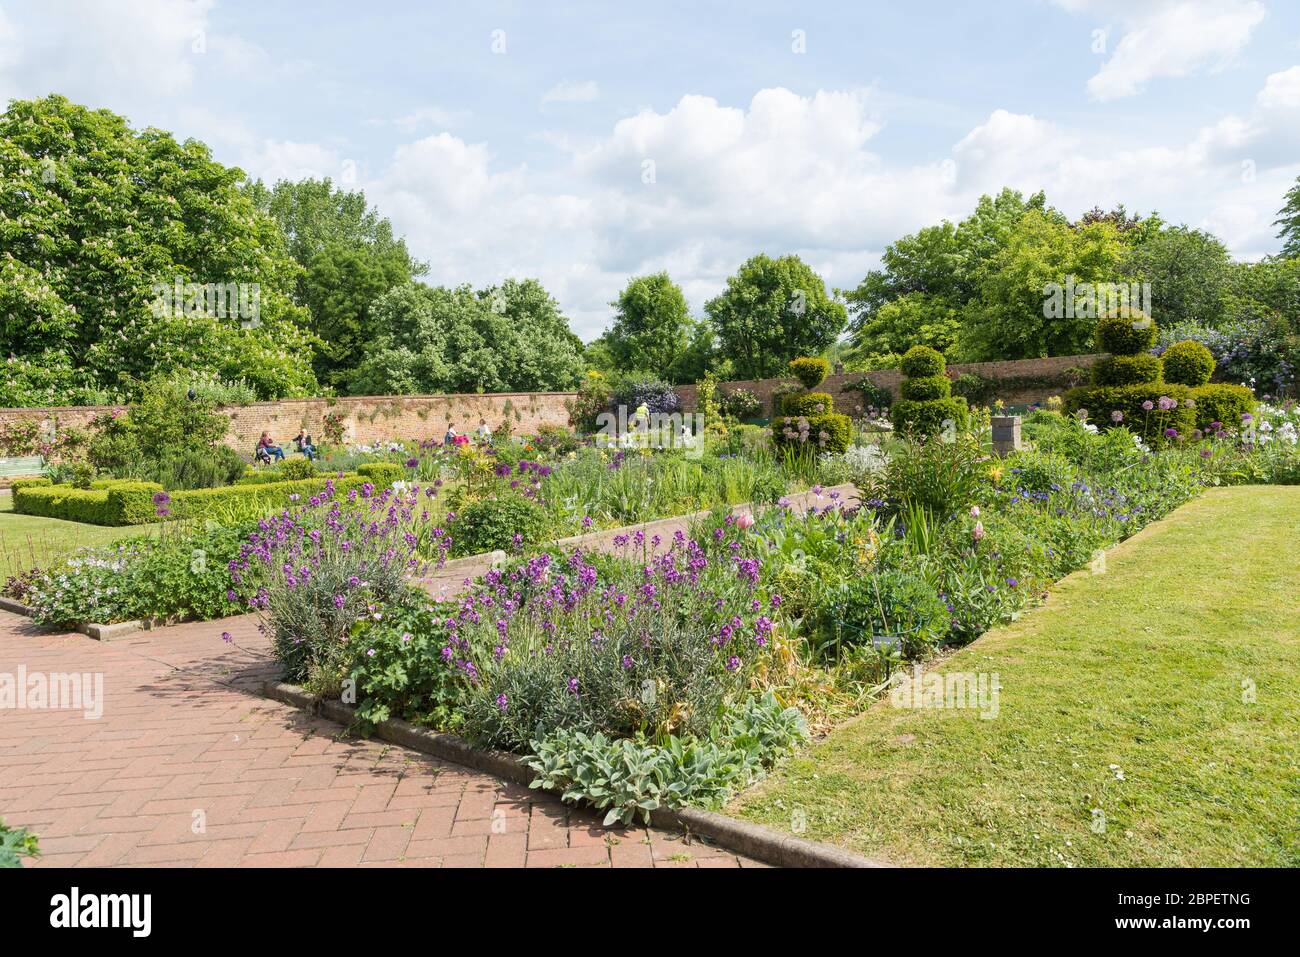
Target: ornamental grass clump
pixel 330 562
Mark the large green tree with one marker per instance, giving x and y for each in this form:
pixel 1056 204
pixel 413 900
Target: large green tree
pixel 651 325
pixel 1188 270
pixel 350 257
pixel 1288 217
pixel 1010 318
pixel 99 223
pixel 508 338
pixel 772 311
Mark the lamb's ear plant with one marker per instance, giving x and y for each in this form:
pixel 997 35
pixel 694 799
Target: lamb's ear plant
pixel 15 844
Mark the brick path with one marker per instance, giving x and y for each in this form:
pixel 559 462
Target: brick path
pixel 190 766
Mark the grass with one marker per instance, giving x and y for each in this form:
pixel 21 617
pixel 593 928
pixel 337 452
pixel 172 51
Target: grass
pixel 28 541
pixel 1148 716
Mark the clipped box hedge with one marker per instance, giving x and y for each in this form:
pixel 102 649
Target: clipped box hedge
pixel 132 503
pixel 807 403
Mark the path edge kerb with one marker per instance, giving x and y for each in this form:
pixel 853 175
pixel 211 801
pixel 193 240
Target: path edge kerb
pixel 753 840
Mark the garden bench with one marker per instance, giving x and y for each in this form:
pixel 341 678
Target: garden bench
pixel 21 466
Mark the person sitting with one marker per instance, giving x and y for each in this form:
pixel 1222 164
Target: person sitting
pixel 304 445
pixel 483 432
pixel 268 449
pixel 451 436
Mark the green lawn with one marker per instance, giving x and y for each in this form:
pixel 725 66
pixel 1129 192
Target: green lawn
pixel 1164 692
pixel 28 541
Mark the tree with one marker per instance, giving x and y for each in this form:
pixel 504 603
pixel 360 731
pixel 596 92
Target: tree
pixel 914 319
pixel 1010 319
pixel 350 258
pixel 1288 217
pixel 101 225
pixel 1188 271
pixel 772 311
pixel 651 325
pixel 509 338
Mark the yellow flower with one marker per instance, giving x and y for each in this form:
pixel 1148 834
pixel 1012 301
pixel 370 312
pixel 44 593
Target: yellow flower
pixel 995 473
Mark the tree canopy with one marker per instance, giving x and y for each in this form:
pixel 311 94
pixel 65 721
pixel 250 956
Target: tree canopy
pixel 100 225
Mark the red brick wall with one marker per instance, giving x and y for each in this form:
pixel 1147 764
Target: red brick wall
pixel 1014 393
pixel 366 419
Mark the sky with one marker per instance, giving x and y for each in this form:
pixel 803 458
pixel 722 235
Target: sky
pixel 584 143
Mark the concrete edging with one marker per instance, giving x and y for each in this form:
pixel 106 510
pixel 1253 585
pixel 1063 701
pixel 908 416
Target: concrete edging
pixel 91 629
pixel 753 840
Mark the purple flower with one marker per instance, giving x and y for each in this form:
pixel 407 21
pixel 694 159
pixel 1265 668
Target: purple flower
pixel 573 685
pixel 412 463
pixel 1148 405
pixel 227 637
pixel 503 702
pixel 161 498
pixel 1117 416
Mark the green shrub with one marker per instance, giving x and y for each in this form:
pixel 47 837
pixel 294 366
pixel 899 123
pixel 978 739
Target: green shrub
pixel 492 523
pixel 873 396
pixel 921 361
pixel 121 503
pixel 292 470
pixel 941 478
pixel 807 403
pixel 1188 363
pixel 1222 403
pixel 1127 370
pixel 893 608
pixel 28 483
pixel 382 474
pixel 832 432
pixel 1041 471
pixel 1102 401
pixel 927 418
pixel 810 371
pixel 974 388
pixel 926 388
pixel 132 503
pixel 1125 336
pixel 741 404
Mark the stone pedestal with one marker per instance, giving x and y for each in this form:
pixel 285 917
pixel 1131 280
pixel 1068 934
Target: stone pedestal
pixel 1006 434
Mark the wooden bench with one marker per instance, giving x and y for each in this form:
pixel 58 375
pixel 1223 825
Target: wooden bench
pixel 22 466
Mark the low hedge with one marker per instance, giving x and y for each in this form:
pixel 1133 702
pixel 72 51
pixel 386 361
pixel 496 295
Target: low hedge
pixel 383 474
pixel 916 417
pixel 807 403
pixel 831 432
pixel 926 388
pixel 1102 401
pixel 132 503
pixel 1222 403
pixel 1127 370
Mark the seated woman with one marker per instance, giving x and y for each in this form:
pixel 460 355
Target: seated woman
pixel 304 445
pixel 268 449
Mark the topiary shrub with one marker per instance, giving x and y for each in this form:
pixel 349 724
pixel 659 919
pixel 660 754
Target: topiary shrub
pixel 807 403
pixel 922 361
pixel 926 388
pixel 927 418
pixel 1171 407
pixel 1127 370
pixel 927 405
pixel 1188 363
pixel 492 523
pixel 1222 403
pixel 810 371
pixel 1122 336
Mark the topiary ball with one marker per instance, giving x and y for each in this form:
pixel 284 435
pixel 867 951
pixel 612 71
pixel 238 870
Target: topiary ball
pixel 925 388
pixel 1129 336
pixel 920 362
pixel 810 371
pixel 1126 370
pixel 1188 363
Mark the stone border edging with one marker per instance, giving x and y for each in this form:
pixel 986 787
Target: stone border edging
pixel 91 629
pixel 754 840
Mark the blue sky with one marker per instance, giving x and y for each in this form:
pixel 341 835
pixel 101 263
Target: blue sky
pixel 514 138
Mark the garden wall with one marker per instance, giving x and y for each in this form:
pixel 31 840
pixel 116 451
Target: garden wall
pixel 364 419
pixel 1015 382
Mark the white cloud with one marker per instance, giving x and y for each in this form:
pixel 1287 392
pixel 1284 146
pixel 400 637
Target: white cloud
pixel 567 91
pixel 101 53
pixel 1168 38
